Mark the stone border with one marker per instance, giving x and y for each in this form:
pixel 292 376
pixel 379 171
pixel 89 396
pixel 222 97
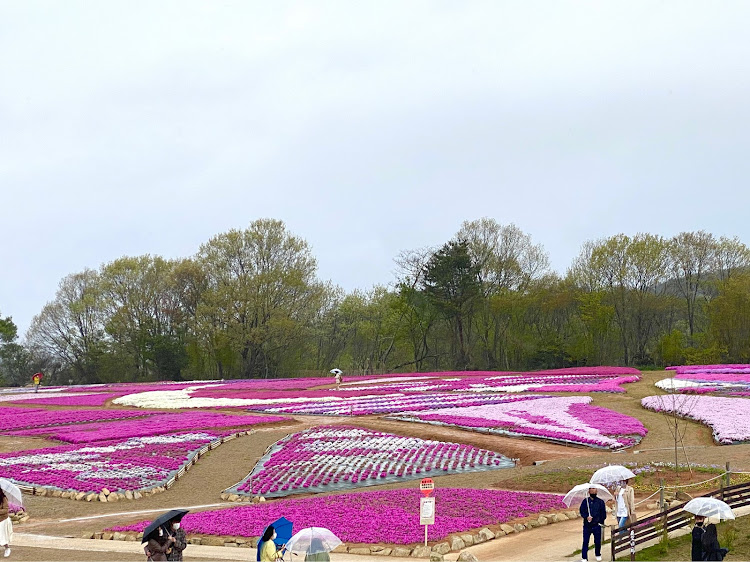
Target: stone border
pixel 455 542
pixel 106 495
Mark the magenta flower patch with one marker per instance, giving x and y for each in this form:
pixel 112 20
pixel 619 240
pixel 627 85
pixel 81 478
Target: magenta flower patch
pixel 555 418
pixel 390 516
pixel 330 458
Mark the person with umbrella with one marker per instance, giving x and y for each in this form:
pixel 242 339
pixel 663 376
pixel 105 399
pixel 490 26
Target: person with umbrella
pixel 9 493
pixel 696 549
pixel 711 548
pixel 315 542
pixel 317 552
pixel 160 542
pixel 180 540
pixel 268 551
pixel 337 377
pixel 625 504
pixel 159 545
pixel 594 512
pixel 6 527
pixel 703 507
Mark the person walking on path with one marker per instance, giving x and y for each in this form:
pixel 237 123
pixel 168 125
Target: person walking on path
pixel 159 545
pixel 594 512
pixel 317 552
pixel 269 552
pixel 625 496
pixel 180 542
pixel 6 526
pixel 711 548
pixel 696 550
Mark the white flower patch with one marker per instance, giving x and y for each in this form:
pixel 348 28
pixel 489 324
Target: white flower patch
pixel 179 399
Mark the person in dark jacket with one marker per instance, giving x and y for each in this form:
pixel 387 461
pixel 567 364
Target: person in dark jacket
pixel 711 548
pixel 696 552
pixel 159 545
pixel 180 541
pixel 594 512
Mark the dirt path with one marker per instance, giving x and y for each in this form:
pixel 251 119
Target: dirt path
pixel 45 547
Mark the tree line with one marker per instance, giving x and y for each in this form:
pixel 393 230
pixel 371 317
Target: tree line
pixel 250 303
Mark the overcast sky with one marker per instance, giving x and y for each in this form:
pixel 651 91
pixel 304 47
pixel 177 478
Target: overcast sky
pixel 133 127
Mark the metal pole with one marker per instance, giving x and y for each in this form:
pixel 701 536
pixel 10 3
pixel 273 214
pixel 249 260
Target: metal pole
pixel 425 535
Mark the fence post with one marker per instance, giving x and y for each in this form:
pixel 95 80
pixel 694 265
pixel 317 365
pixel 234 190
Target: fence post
pixel 661 494
pixel 729 476
pixel 632 545
pixel 612 540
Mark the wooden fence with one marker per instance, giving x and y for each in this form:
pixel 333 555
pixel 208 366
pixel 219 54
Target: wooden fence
pixel 656 526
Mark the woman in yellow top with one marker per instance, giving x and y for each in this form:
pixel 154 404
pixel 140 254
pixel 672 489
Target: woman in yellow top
pixel 268 550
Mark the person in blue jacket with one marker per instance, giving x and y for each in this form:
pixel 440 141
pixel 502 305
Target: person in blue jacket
pixel 594 512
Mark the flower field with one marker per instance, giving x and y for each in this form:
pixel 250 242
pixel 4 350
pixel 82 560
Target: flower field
pixel 27 418
pixel 390 516
pixel 133 464
pixel 153 424
pixel 567 419
pixel 729 418
pixel 329 458
pixel 115 449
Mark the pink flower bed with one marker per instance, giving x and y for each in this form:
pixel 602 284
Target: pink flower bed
pixel 729 418
pixel 20 418
pixel 390 516
pixel 560 380
pixel 738 368
pixel 77 400
pixel 568 419
pixel 155 424
pixel 127 464
pixel 337 457
pixel 383 404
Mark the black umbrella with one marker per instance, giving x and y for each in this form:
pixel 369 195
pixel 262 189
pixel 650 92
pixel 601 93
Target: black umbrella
pixel 175 514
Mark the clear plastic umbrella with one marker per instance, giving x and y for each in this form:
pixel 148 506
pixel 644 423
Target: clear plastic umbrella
pixel 611 474
pixel 709 507
pixel 11 491
pixel 312 540
pixel 581 492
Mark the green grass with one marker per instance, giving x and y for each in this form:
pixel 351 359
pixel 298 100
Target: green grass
pixel 734 535
pixel 560 480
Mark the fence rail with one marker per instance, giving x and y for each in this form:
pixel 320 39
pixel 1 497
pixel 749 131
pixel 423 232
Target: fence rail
pixel 656 526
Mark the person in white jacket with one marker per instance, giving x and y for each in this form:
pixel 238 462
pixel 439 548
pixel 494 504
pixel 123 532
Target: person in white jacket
pixel 625 498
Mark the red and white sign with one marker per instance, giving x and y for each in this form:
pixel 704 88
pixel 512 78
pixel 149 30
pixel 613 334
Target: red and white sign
pixel 426 485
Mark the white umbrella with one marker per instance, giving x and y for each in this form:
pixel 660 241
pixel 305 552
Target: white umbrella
pixel 610 474
pixel 312 540
pixel 581 492
pixel 11 491
pixel 335 371
pixel 709 507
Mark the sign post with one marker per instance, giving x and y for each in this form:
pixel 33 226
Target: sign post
pixel 426 505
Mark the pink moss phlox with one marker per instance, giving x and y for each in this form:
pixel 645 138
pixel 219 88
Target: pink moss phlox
pixel 390 516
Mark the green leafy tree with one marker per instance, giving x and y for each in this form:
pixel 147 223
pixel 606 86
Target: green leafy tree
pixel 451 282
pixel 261 299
